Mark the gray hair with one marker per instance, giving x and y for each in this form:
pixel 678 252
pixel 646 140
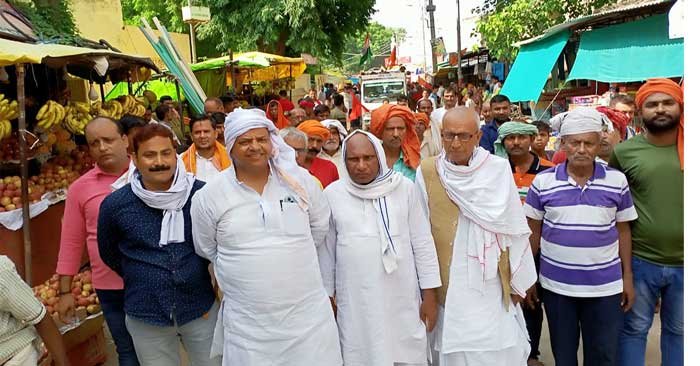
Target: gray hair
pixel 294 133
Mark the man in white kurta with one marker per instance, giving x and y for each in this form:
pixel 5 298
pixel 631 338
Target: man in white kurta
pixel 262 242
pixel 378 260
pixel 475 325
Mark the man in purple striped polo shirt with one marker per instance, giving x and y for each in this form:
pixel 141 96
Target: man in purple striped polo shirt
pixel 579 213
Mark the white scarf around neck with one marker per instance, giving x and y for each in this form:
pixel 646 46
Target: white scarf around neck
pixel 172 227
pixel 387 181
pixel 486 194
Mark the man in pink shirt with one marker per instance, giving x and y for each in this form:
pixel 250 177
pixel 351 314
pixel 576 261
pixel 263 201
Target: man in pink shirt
pixel 108 147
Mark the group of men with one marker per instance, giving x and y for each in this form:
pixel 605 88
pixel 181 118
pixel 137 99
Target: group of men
pixel 365 248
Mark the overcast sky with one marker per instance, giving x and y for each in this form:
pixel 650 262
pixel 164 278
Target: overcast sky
pixel 407 14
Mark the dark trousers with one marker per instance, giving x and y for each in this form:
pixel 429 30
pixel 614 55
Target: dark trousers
pixel 596 319
pixel 534 317
pixel 112 303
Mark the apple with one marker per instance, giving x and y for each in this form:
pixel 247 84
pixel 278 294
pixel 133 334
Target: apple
pixel 7 193
pixel 16 200
pixel 4 201
pixel 2 186
pixel 87 287
pixel 2 209
pixel 10 207
pixel 83 301
pixel 75 291
pixel 85 293
pixel 11 186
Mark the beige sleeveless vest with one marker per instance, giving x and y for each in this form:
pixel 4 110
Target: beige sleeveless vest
pixel 443 223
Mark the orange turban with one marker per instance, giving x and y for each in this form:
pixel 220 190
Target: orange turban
pixel 422 117
pixel 666 86
pixel 410 145
pixel 313 127
pixel 279 120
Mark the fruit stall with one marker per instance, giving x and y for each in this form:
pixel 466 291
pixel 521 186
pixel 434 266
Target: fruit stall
pixel 42 143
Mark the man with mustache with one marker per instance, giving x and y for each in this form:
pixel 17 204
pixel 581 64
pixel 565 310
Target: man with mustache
pixel 653 163
pixel 145 235
pixel 580 213
pixel 317 135
pixel 500 113
pixel 296 116
pixel 431 143
pixel 450 101
pixel 260 222
pixel 108 144
pixel 206 157
pixel 332 147
pixel 395 126
pixel 388 264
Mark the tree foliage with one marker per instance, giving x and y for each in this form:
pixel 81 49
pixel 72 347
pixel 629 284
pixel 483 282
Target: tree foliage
pixel 286 27
pixel 52 20
pixel 380 38
pixel 504 22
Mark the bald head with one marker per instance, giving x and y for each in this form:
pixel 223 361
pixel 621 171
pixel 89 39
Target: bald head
pixel 460 134
pixel 462 116
pixel 361 159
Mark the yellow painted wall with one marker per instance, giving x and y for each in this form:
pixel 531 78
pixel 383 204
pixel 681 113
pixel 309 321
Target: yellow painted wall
pixel 102 19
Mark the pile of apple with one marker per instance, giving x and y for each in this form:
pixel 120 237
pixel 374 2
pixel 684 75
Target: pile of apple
pixel 11 193
pixel 82 291
pixel 10 148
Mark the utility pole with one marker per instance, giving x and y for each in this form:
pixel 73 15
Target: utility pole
pixel 431 18
pixel 193 47
pixel 459 47
pixel 422 28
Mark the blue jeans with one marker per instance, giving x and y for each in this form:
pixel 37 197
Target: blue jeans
pixel 597 320
pixel 112 303
pixel 652 281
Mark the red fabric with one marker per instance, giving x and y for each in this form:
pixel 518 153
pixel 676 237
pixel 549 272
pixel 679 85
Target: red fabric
pixel 357 108
pixel 286 104
pixel 666 86
pixel 410 144
pixel 559 157
pixel 619 119
pixel 280 120
pixel 324 170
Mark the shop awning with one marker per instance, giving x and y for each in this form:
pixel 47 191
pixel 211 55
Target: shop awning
pixel 12 52
pixel 532 67
pixel 265 66
pixel 631 51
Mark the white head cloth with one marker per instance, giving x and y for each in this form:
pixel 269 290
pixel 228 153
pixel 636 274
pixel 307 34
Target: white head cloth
pixel 328 123
pixel 486 195
pixel 387 181
pixel 283 157
pixel 580 120
pixel 172 227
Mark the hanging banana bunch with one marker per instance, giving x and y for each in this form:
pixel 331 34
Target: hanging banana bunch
pixel 9 110
pixel 50 114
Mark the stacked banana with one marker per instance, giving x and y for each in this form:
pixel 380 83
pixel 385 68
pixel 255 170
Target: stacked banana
pixel 113 109
pixel 50 114
pixel 77 117
pixel 8 112
pixel 132 105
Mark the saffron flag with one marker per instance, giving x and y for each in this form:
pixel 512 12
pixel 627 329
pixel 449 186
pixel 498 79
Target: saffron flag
pixel 392 57
pixel 357 108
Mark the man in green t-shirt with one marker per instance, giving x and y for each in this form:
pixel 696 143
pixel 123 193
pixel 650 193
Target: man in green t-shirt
pixel 653 164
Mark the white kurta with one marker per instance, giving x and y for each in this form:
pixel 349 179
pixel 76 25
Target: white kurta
pixel 336 159
pixel 378 313
pixel 474 328
pixel 275 308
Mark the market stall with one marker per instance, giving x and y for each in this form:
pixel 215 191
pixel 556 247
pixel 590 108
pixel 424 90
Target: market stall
pixel 249 74
pixel 40 129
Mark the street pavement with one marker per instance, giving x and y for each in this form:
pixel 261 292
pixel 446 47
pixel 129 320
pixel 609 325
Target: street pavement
pixel 653 355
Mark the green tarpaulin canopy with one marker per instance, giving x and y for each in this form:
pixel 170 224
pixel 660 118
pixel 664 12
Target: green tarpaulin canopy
pixel 532 68
pixel 160 87
pixel 631 51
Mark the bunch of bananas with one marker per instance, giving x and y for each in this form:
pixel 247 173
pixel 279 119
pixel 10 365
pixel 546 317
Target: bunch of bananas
pixel 112 109
pixel 132 105
pixel 8 111
pixel 50 114
pixel 77 117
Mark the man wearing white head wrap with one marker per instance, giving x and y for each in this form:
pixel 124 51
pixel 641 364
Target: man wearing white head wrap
pixel 377 268
pixel 331 148
pixel 259 222
pixel 579 214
